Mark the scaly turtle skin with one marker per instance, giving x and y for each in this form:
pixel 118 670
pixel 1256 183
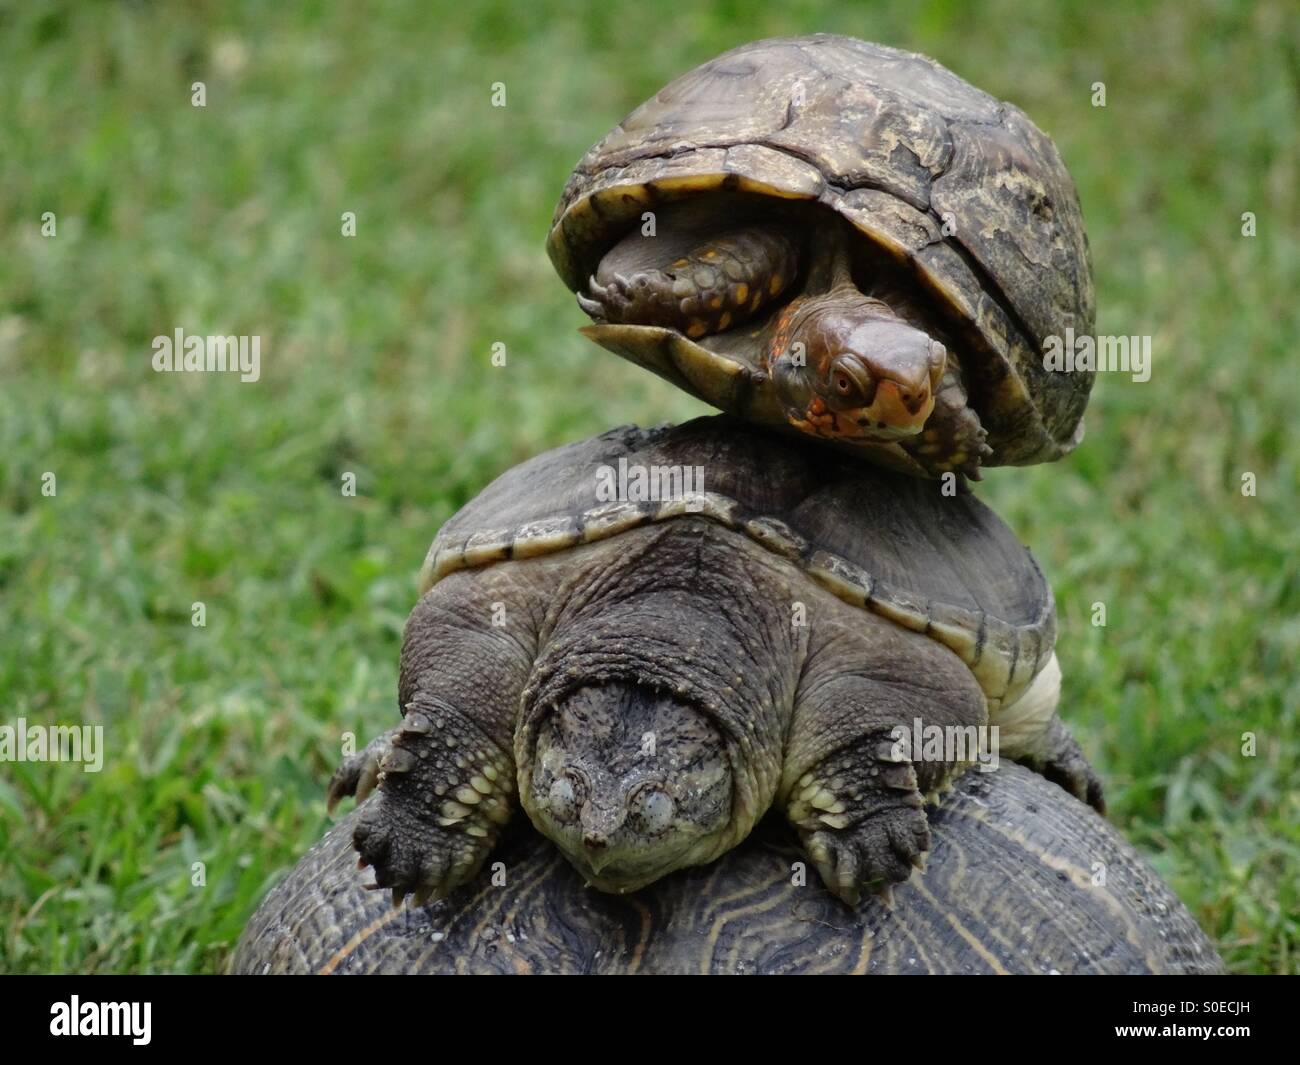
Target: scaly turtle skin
pixel 1012 885
pixel 648 676
pixel 848 239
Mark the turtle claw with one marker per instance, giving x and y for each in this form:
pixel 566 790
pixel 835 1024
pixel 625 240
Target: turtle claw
pixel 876 852
pixel 1077 777
pixel 414 855
pixel 594 309
pixel 608 303
pixel 358 774
pixel 1061 760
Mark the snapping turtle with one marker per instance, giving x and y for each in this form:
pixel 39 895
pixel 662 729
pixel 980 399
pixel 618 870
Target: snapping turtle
pixel 649 638
pixel 1012 885
pixel 847 239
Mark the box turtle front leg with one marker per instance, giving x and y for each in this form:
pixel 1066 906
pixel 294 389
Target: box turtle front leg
pixel 953 439
pixel 696 279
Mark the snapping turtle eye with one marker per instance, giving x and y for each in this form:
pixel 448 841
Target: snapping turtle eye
pixel 565 797
pixel 653 808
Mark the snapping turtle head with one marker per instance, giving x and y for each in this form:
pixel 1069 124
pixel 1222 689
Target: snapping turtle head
pixel 630 783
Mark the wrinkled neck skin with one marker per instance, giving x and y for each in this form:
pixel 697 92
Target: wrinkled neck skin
pixel 679 632
pixel 830 268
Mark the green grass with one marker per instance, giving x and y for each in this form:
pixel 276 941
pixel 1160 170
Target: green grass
pixel 178 489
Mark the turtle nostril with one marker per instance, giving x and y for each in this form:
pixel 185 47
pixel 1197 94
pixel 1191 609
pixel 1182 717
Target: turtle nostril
pixel 594 841
pixel 914 401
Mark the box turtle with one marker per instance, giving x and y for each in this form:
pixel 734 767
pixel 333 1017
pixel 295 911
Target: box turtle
pixel 843 238
pixel 649 638
pixel 1022 878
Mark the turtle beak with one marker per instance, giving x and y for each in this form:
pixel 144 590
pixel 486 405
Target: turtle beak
pixel 905 382
pixel 902 405
pixel 599 823
pixel 595 860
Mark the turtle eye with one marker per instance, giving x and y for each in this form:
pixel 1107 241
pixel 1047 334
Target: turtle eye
pixel 566 797
pixel 653 809
pixel 851 382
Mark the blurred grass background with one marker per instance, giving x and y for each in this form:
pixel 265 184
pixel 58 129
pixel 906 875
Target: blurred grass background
pixel 174 489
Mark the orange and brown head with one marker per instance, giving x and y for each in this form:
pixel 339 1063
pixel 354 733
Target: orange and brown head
pixel 846 367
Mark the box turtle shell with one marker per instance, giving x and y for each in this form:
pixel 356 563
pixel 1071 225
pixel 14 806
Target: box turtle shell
pixel 907 213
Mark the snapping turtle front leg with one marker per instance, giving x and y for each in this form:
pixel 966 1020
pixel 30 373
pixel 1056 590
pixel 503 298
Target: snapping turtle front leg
pixel 441 807
pixel 695 278
pixel 853 786
pixel 861 817
pixel 446 775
